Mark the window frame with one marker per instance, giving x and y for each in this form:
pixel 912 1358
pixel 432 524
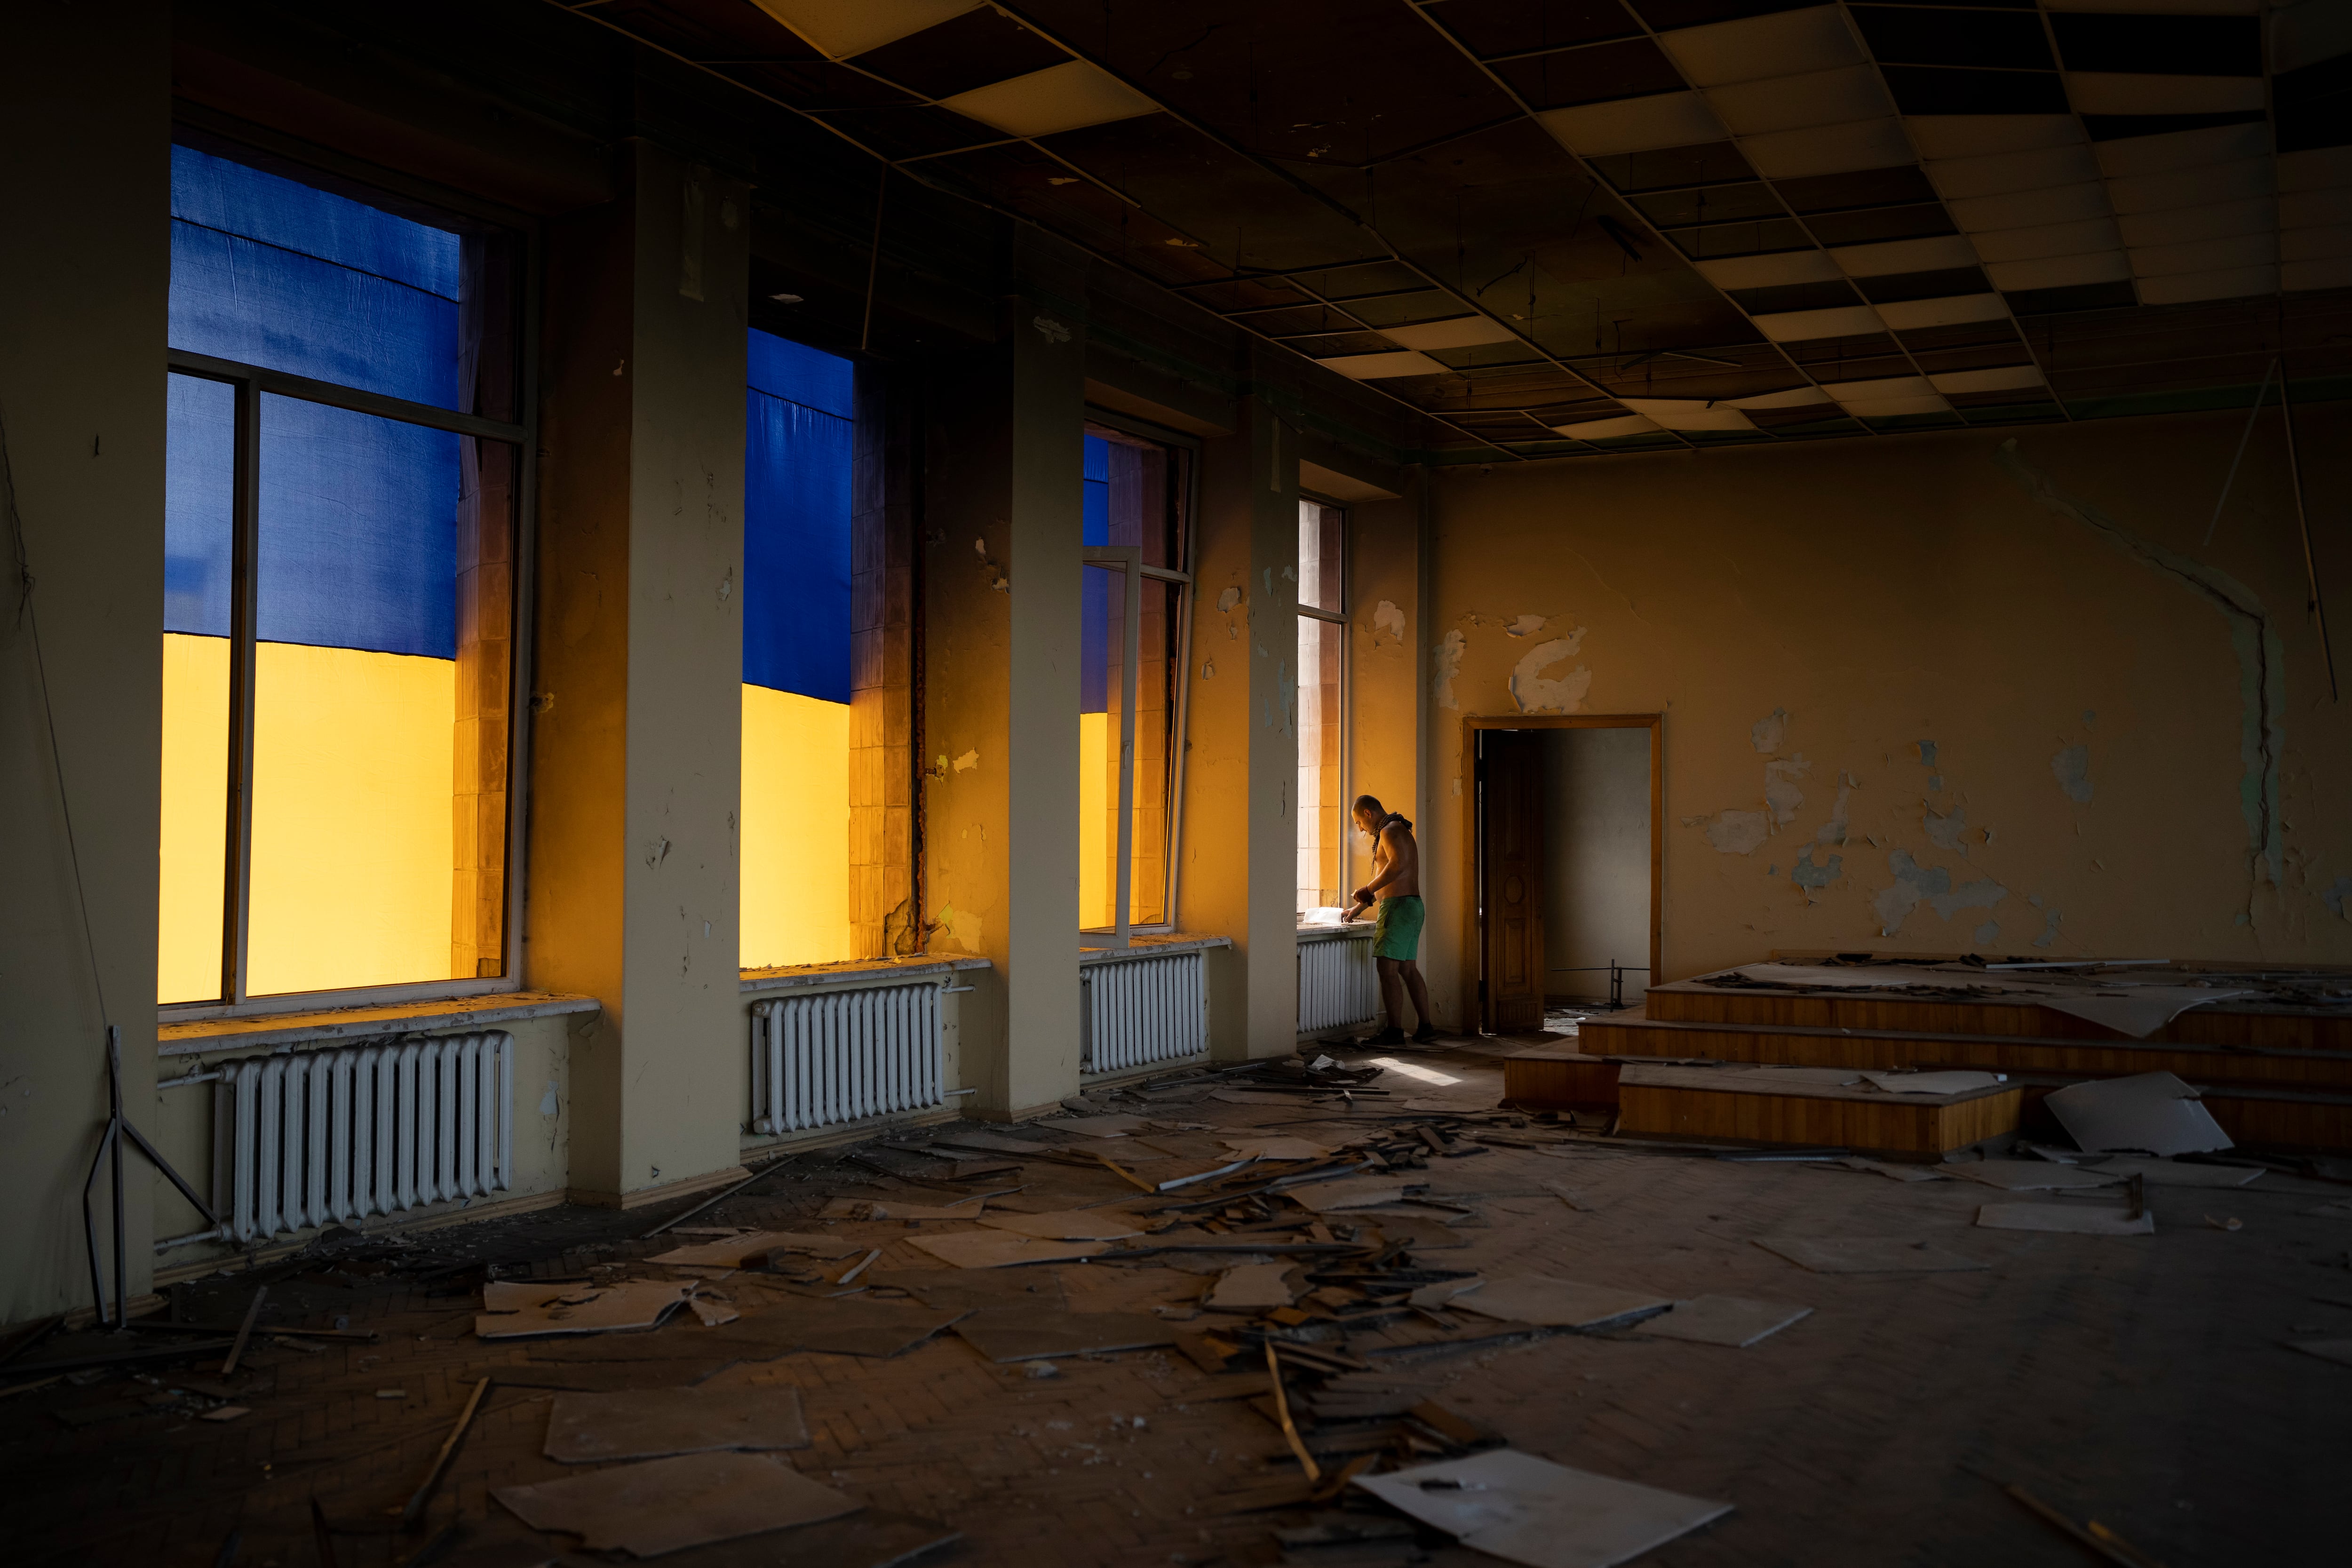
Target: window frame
pixel 343 176
pixel 1129 559
pixel 1338 618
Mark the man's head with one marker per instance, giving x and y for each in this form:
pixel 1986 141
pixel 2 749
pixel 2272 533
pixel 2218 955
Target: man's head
pixel 1370 813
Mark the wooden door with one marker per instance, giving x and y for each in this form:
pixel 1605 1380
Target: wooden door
pixel 1511 878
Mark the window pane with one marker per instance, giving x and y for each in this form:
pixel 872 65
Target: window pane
pixel 271 272
pixel 798 696
pixel 1102 696
pixel 199 534
pixel 1321 834
pixel 360 874
pixel 1320 557
pixel 1134 496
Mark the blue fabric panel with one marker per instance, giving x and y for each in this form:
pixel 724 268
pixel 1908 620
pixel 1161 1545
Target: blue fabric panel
pixel 795 546
pixel 199 505
pixel 234 199
pixel 1096 528
pixel 359 531
pixel 797 373
pixel 254 282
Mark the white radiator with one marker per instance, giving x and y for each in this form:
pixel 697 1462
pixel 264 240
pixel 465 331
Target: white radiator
pixel 331 1137
pixel 844 1055
pixel 1136 1011
pixel 1336 984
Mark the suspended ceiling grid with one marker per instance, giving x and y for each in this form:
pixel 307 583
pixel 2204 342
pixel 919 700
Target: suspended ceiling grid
pixel 1584 225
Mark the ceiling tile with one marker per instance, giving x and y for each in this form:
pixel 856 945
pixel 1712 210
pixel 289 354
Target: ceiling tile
pixel 2004 173
pixel 1910 315
pixel 972 50
pixel 1770 271
pixel 1905 256
pixel 1601 429
pixel 1986 40
pixel 2205 255
pixel 1785 299
pixel 2311 209
pixel 1936 91
pixel 2186 226
pixel 2059 271
pixel 1635 124
pixel 1460 332
pixel 2031 209
pixel 1889 187
pixel 2190 187
pixel 1796 103
pixel 2307 34
pixel 1690 413
pixel 2095 93
pixel 2332 273
pixel 2048 239
pixel 1796 326
pixel 1883 387
pixel 845 27
pixel 1378 367
pixel 2198 46
pixel 2066 299
pixel 1630 68
pixel 1828 148
pixel 1982 135
pixel 2160 7
pixel 1059 98
pixel 2230 283
pixel 1815 39
pixel 1874 225
pixel 1795 397
pixel 1998 379
pixel 2184 149
pixel 2319 242
pixel 1942 283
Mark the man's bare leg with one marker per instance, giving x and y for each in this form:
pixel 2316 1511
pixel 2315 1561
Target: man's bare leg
pixel 1393 990
pixel 1410 971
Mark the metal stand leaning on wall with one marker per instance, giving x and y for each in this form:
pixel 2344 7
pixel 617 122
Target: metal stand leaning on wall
pixel 110 1147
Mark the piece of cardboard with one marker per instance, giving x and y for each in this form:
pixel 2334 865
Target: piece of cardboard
pixel 1251 1288
pixel 653 1423
pixel 1735 1320
pixel 1071 1224
pixel 1866 1255
pixel 2073 1219
pixel 1523 1510
pixel 750 1249
pixel 1007 1335
pixel 2031 1175
pixel 669 1505
pixel 521 1311
pixel 1546 1302
pixel 2147 1114
pixel 1002 1250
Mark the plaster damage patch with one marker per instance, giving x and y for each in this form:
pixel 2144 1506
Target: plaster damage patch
pixel 968 762
pixel 1944 830
pixel 2338 898
pixel 1987 933
pixel 1737 832
pixel 1388 621
pixel 1771 732
pixel 1813 875
pixel 1916 884
pixel 1781 795
pixel 2261 678
pixel 1445 666
pixel 2072 768
pixel 1535 693
pixel 1528 626
pixel 2049 930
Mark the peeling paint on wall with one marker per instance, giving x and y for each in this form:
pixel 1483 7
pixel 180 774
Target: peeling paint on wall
pixel 1927 753
pixel 2049 930
pixel 2261 676
pixel 1535 693
pixel 1388 621
pixel 1771 732
pixel 1781 795
pixel 968 762
pixel 2072 768
pixel 1916 884
pixel 1446 665
pixel 1528 626
pixel 1807 875
pixel 2338 898
pixel 1734 832
pixel 1228 600
pixel 1943 831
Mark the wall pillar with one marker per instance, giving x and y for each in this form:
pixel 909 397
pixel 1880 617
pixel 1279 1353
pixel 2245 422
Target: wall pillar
pixel 1004 460
pixel 1241 821
pixel 85 102
pixel 637 750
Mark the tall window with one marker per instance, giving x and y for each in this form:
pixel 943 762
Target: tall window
pixel 1131 678
pixel 343 463
pixel 1322 663
pixel 796 656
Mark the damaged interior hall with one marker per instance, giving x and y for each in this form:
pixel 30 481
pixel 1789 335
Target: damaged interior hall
pixel 1342 783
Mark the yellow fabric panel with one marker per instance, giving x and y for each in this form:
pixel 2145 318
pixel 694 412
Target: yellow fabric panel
pixel 795 898
pixel 1097 847
pixel 352 832
pixel 194 837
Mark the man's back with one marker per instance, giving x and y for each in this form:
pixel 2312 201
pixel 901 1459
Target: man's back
pixel 1398 850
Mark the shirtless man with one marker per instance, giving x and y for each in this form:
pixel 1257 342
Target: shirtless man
pixel 1396 930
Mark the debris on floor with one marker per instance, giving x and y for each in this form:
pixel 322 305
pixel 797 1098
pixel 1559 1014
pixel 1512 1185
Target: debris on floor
pixel 656 1423
pixel 2073 1219
pixel 1735 1320
pixel 1866 1255
pixel 667 1505
pixel 2149 1113
pixel 1525 1509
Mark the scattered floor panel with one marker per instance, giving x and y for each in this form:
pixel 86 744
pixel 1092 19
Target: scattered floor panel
pixel 654 1423
pixel 1525 1509
pixel 1549 1303
pixel 515 1311
pixel 2073 1219
pixel 667 1505
pixel 1866 1255
pixel 1019 1333
pixel 997 1250
pixel 1736 1321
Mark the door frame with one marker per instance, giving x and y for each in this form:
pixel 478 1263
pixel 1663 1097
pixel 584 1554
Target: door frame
pixel 1474 936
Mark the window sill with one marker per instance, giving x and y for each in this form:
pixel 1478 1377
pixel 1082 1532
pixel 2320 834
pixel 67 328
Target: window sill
pixel 341 1026
pixel 790 976
pixel 1152 947
pixel 1359 929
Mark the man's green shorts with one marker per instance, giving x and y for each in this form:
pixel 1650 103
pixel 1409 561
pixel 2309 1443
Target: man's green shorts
pixel 1396 930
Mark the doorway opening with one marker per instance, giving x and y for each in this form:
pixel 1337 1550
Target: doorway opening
pixel 1564 866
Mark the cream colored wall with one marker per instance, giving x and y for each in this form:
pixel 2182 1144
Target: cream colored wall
pixel 84 111
pixel 1878 659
